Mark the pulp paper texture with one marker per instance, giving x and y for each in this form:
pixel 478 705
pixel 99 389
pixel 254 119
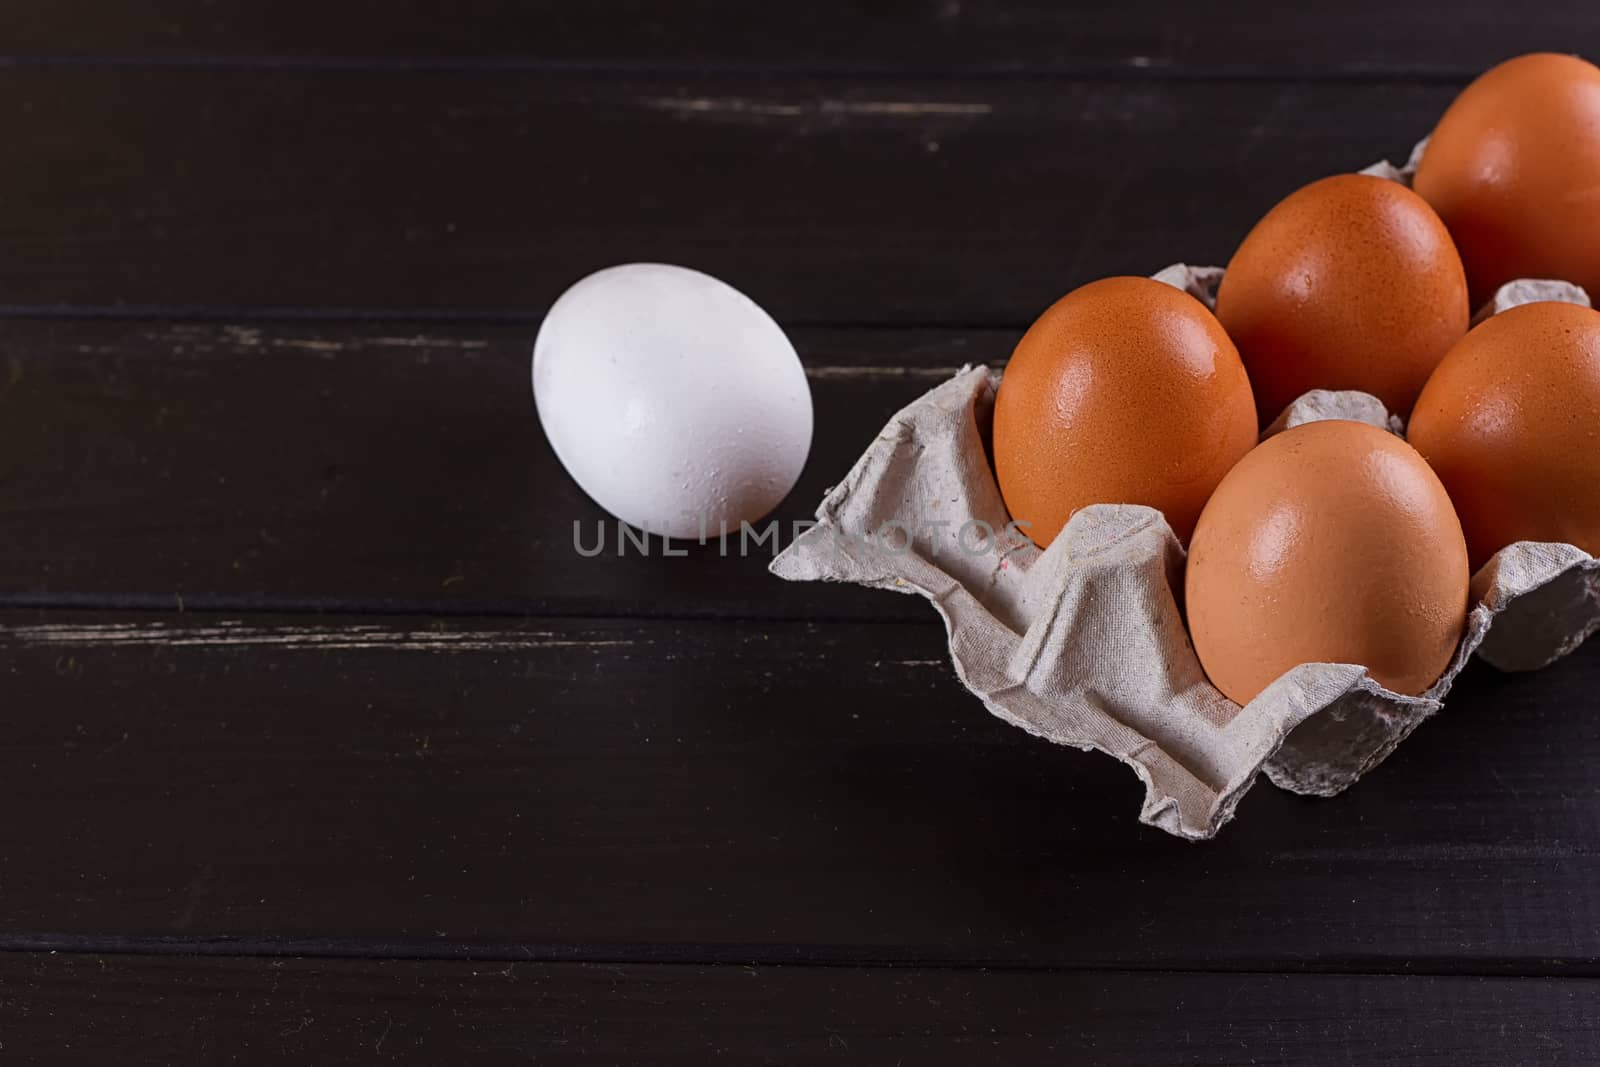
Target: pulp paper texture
pixel 1083 644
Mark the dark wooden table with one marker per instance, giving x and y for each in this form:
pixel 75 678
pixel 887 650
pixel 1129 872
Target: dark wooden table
pixel 321 744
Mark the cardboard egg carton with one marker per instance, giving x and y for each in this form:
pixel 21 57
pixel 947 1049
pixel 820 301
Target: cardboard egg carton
pixel 1084 643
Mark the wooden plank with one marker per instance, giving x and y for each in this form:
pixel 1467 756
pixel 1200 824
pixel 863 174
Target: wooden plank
pixel 730 792
pixel 392 468
pixel 140 1009
pixel 1147 37
pixel 395 193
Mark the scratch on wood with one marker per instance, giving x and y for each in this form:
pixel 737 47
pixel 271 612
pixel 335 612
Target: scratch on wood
pixel 739 105
pixel 232 634
pixel 423 341
pixel 195 338
pixel 903 107
pixel 309 344
pixel 930 373
pixel 206 338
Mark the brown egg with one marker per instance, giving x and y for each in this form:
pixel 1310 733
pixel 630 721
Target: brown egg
pixel 1514 170
pixel 1349 283
pixel 1511 423
pixel 1332 542
pixel 1126 391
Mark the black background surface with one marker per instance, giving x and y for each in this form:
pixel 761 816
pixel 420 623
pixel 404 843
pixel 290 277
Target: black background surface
pixel 320 745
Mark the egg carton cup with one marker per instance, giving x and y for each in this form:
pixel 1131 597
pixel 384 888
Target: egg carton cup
pixel 1084 644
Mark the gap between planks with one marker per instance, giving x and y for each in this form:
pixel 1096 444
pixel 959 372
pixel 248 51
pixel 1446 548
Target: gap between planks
pixel 199 605
pixel 233 633
pixel 1134 68
pixel 760 955
pixel 630 631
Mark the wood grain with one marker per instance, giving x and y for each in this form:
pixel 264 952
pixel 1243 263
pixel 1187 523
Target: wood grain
pixel 355 760
pixel 138 1010
pixel 377 467
pixel 730 792
pixel 482 194
pixel 1143 38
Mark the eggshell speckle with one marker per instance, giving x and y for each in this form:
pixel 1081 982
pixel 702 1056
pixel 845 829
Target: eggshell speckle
pixel 1349 283
pixel 1332 542
pixel 1513 168
pixel 1126 391
pixel 1511 423
pixel 672 399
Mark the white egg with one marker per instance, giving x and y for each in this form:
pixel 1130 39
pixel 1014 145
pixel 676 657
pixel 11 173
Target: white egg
pixel 672 399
